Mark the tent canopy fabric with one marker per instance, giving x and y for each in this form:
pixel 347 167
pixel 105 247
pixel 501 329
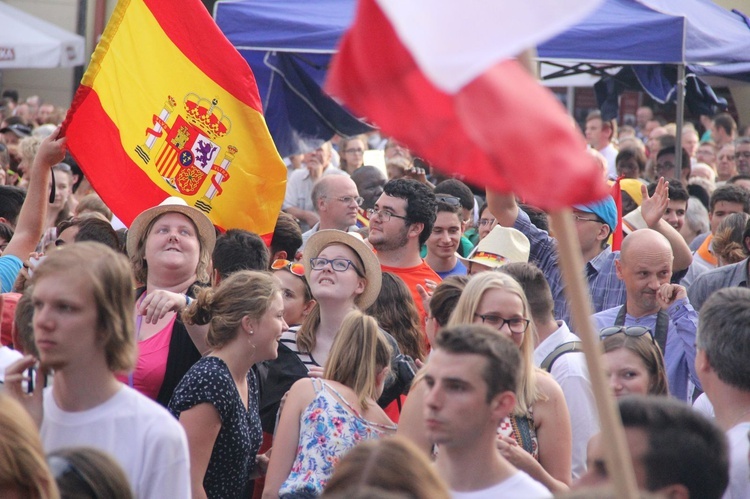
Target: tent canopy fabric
pixel 29 42
pixel 289 46
pixel 709 39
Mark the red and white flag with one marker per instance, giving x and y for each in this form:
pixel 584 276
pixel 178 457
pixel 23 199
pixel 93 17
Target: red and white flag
pixel 436 75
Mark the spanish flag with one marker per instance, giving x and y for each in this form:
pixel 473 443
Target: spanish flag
pixel 168 107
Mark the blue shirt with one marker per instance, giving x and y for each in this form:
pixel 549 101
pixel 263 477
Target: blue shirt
pixel 679 357
pixel 606 289
pixel 10 266
pixel 459 269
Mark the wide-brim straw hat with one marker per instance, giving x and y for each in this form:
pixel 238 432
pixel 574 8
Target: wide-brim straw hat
pixel 173 204
pixel 501 246
pixel 374 275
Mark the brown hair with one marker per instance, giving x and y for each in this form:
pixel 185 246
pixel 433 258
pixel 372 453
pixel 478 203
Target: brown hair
pixel 397 314
pixel 446 296
pixel 109 275
pixel 358 354
pixel 388 465
pixel 95 472
pixel 649 352
pixel 244 293
pixel 22 465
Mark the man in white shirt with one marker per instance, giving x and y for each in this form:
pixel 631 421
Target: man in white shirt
pixel 471 379
pixel 723 345
pixel 559 352
pixel 84 331
pixel 599 135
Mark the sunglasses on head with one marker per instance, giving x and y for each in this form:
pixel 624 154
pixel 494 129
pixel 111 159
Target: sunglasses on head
pixel 449 200
pixel 634 331
pixel 295 268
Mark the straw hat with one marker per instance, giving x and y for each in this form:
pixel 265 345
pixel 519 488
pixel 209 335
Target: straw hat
pixel 372 271
pixel 502 245
pixel 172 204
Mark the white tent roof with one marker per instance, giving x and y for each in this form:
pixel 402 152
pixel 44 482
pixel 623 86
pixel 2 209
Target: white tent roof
pixel 29 42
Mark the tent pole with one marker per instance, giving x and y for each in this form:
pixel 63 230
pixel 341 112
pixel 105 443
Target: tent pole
pixel 680 117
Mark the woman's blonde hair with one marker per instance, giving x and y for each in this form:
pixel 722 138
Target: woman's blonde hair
pixel 140 265
pixel 388 465
pixel 359 352
pixel 245 293
pixel 306 332
pixel 527 391
pixel 111 280
pixel 23 468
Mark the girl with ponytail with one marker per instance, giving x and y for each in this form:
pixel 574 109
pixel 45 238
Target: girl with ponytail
pixel 323 418
pixel 217 401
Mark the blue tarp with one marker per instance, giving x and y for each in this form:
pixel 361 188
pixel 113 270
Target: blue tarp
pixel 709 39
pixel 289 44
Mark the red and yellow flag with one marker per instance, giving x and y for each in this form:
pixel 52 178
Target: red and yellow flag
pixel 168 107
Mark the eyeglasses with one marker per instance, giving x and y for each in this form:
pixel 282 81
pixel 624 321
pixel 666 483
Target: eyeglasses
pixel 60 466
pixel 348 199
pixel 354 151
pixel 486 221
pixel 664 166
pixel 517 325
pixel 295 268
pixel 634 331
pixel 582 219
pixel 337 264
pixel 450 200
pixel 385 216
pixel 743 154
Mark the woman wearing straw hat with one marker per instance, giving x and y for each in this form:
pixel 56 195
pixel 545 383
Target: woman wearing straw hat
pixel 170 249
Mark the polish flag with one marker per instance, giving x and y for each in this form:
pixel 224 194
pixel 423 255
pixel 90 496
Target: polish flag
pixel 439 76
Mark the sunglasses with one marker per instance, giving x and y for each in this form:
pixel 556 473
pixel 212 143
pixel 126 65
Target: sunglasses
pixel 449 200
pixel 634 331
pixel 61 466
pixel 295 268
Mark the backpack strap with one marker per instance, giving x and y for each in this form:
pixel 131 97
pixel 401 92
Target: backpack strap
pixel 569 347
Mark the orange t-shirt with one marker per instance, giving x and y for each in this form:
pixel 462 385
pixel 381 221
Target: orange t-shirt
pixel 413 276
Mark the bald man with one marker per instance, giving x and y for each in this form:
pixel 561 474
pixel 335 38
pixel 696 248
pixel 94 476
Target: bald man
pixel 336 200
pixel 645 268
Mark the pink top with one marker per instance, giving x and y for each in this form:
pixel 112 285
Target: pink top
pixel 152 362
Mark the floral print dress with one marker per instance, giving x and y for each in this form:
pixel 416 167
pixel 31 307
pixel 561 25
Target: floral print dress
pixel 329 428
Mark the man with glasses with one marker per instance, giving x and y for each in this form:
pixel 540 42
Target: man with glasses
pixel 298 199
pixel 336 201
pixel 645 268
pixel 593 222
pixel 400 224
pixel 666 167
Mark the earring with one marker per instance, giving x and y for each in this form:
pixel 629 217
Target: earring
pixel 251 331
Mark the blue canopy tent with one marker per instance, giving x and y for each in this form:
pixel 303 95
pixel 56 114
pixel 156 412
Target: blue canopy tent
pixel 289 44
pixel 694 35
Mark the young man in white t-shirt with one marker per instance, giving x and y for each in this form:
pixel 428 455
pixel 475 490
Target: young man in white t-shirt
pixel 84 331
pixel 471 378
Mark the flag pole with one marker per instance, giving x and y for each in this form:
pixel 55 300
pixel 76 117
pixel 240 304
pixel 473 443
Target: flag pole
pixel 616 451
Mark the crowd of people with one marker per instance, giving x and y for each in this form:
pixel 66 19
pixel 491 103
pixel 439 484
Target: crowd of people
pixel 400 334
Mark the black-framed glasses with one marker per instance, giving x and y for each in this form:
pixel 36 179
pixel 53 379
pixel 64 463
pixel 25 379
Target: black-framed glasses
pixel 384 215
pixel 633 331
pixel 61 466
pixel 742 154
pixel 337 264
pixel 517 325
pixel 665 166
pixel 295 268
pixel 348 199
pixel 584 219
pixel 486 221
pixel 449 200
pixel 354 151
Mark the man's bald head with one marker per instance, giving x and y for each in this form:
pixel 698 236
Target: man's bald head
pixel 644 241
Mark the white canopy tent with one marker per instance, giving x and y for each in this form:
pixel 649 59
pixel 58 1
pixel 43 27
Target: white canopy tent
pixel 29 42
